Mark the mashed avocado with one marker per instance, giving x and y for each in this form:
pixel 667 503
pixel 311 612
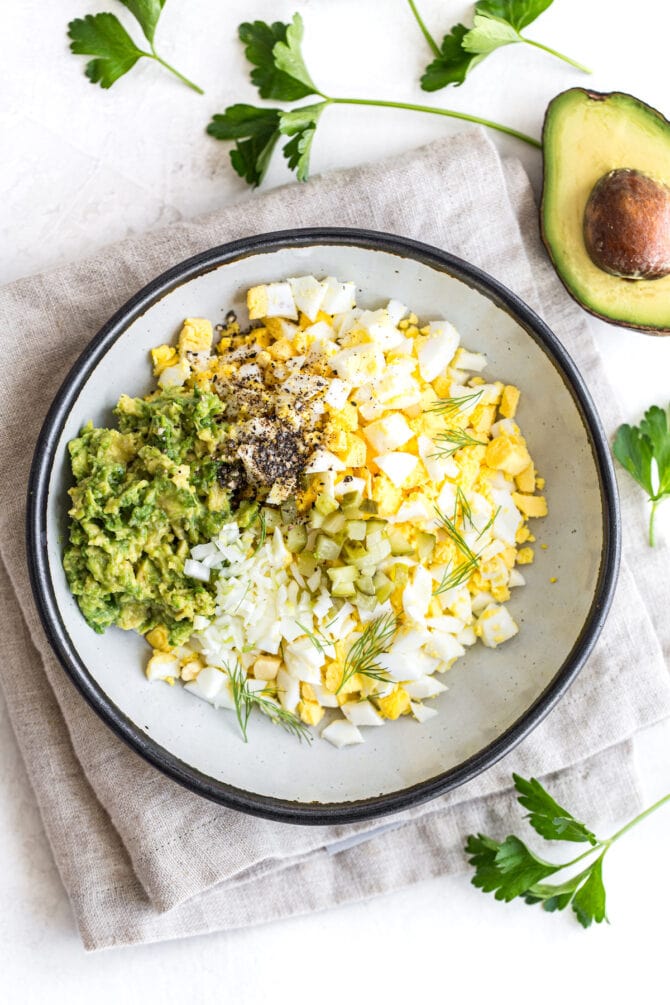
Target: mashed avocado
pixel 144 494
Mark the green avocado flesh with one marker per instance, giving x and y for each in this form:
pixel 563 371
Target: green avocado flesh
pixel 586 135
pixel 144 494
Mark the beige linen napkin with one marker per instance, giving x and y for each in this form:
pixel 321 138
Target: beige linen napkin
pixel 143 859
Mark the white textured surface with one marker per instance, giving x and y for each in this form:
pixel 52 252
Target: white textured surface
pixel 81 168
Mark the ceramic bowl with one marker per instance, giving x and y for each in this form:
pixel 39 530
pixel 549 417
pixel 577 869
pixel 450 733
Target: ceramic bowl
pixel 494 697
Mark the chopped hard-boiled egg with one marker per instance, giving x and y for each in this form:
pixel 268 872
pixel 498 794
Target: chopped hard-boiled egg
pixel 348 603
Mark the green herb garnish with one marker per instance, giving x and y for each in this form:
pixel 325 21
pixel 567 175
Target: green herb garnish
pixel 464 506
pixel 496 23
pixel 103 36
pixel 489 523
pixel 449 406
pixel 454 576
pixel 263 533
pixel 317 638
pixel 451 440
pixel 644 451
pixel 245 699
pixel 509 869
pixel 366 650
pixel 280 74
pixel 454 533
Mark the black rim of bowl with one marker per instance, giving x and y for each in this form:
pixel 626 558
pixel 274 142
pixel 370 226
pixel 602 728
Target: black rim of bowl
pixel 120 724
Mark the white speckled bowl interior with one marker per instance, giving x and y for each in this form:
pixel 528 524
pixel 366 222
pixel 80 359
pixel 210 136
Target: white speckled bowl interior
pixel 494 696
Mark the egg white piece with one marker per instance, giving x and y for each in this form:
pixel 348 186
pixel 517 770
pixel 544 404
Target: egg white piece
pixel 342 733
pixel 495 625
pixel 288 689
pixel 422 713
pixel 308 295
pixel 398 466
pixel 279 302
pixel 339 297
pixel 436 351
pixel 361 713
pixel 424 687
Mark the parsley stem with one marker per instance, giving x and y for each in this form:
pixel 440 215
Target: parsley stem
pixel 189 83
pixel 553 52
pixel 652 518
pixel 639 818
pixel 449 113
pixel 426 34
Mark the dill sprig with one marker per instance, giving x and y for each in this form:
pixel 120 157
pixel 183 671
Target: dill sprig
pixel 245 699
pixel 462 502
pixel 454 576
pixel 487 526
pixel 450 528
pixel 281 716
pixel 448 406
pixel 262 537
pixel 317 638
pixel 364 653
pixel 453 440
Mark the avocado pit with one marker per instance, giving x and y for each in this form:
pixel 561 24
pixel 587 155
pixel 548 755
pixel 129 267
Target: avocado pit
pixel 627 225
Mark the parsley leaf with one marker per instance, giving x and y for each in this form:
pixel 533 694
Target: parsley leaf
pixel 509 869
pixel 301 125
pixel 644 451
pixel 546 816
pixel 103 36
pixel 255 132
pixel 589 901
pixel 288 55
pixel 488 34
pixel 453 63
pixel 146 13
pixel 519 13
pixel 279 72
pixel 259 40
pixel 496 23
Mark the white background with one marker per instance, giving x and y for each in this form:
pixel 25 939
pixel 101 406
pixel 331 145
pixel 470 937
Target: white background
pixel 81 168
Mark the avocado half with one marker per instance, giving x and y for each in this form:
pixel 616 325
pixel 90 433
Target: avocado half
pixel 587 135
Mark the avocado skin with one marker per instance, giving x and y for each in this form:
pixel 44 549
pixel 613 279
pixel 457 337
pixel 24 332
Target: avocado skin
pixel 649 326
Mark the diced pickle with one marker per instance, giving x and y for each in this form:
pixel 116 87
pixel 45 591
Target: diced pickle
pixel 344 590
pixel 425 545
pixel 306 563
pixel 341 574
pixel 399 543
pixel 383 587
pixel 365 602
pixel 350 499
pixel 366 585
pixel 272 517
pixel 368 506
pixel 296 539
pixel 353 551
pixel 326 549
pixel 399 575
pixel 356 530
pixel 326 504
pixel 316 519
pixel 334 523
pixel 289 511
